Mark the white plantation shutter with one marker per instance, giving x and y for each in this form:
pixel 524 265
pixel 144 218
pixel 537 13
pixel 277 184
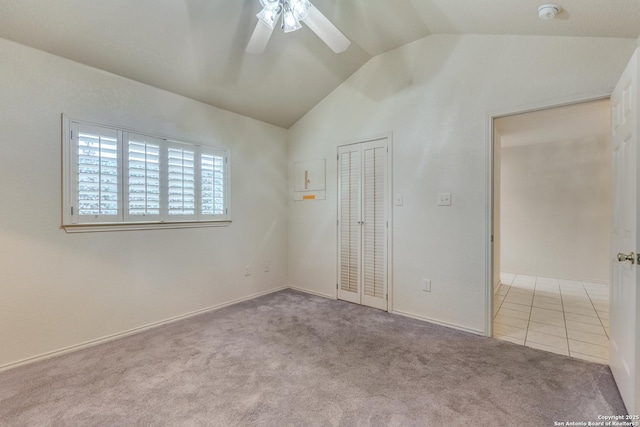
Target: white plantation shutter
pixel 143 178
pixel 362 223
pixel 97 185
pixel 132 180
pixel 213 181
pixel 181 187
pixel 374 235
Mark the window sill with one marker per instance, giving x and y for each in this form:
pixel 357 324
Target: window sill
pixel 134 226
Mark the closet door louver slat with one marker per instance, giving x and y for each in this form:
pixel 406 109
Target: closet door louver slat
pixel 374 222
pixel 349 223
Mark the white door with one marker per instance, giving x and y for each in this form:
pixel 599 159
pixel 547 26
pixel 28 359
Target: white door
pixel 349 222
pixel 363 218
pixel 624 342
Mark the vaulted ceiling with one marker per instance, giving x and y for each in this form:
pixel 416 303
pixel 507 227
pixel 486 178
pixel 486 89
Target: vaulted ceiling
pixel 197 47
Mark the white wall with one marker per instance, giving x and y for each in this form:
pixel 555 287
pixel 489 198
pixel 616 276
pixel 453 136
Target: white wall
pixel 555 205
pixel 58 290
pixel 497 246
pixel 435 95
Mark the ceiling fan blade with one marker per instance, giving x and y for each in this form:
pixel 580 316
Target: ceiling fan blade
pixel 259 39
pixel 328 33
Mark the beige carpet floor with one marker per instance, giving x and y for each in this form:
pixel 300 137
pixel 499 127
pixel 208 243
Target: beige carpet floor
pixel 292 359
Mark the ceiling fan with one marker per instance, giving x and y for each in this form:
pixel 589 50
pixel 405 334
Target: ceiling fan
pixel 294 12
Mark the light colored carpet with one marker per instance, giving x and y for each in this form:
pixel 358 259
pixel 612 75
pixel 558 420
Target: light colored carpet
pixel 291 359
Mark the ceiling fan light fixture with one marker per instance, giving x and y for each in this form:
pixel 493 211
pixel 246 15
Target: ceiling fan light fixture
pixel 273 4
pixel 300 8
pixel 289 21
pixel 270 14
pixel 293 12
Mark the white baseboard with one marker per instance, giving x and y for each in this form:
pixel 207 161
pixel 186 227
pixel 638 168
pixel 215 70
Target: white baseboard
pixel 576 279
pixel 147 327
pixel 307 291
pixel 401 313
pixel 441 323
pixel 97 341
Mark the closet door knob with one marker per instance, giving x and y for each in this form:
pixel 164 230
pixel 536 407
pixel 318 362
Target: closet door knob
pixel 624 257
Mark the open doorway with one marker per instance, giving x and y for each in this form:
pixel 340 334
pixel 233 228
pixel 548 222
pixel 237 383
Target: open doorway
pixel 551 229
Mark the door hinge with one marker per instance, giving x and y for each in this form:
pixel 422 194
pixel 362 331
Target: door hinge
pixel 71 134
pixel 387 297
pixel 71 210
pixel 491 238
pixel 337 286
pixel 226 211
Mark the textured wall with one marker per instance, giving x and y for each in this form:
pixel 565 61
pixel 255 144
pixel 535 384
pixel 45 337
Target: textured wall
pixel 436 95
pixel 555 206
pixel 59 290
pixel 497 243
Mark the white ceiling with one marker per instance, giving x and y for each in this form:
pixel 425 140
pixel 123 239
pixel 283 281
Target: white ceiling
pixel 196 47
pixel 579 122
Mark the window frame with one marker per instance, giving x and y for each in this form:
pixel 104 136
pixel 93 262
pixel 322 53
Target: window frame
pixel 73 222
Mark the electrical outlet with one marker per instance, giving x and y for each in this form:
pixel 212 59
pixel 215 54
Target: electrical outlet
pixel 426 285
pixel 266 267
pixel 247 270
pixel 444 199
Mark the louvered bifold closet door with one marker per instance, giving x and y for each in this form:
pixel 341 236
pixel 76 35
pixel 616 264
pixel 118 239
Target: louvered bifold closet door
pixel 349 223
pixel 374 224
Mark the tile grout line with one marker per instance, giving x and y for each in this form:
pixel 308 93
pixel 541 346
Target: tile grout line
pixel 565 329
pixel 564 316
pixel 535 291
pixel 503 299
pixel 533 295
pixel 594 309
pixel 586 342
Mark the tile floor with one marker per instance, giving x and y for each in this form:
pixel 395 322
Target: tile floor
pixel 561 316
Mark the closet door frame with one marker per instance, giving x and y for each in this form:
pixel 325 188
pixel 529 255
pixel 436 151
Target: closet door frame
pixel 388 211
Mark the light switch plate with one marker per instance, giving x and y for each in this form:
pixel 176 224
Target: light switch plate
pixel 444 199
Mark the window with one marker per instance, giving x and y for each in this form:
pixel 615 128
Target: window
pixel 116 177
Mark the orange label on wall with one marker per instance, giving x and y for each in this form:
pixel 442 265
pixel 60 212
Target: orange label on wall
pixel 310 197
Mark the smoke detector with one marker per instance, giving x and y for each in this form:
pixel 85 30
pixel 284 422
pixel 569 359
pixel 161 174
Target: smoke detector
pixel 549 11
